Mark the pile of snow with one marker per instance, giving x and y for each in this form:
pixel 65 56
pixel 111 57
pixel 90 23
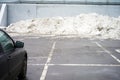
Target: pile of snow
pixel 2 27
pixel 84 25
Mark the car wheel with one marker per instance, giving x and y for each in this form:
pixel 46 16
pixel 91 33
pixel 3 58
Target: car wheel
pixel 22 74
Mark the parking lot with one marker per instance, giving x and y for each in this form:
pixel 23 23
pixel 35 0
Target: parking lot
pixel 51 58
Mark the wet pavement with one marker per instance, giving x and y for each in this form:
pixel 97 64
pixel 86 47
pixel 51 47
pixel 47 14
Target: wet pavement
pixel 52 58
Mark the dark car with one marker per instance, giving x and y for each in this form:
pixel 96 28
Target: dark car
pixel 13 58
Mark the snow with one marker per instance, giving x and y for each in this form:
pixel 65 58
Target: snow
pixel 91 25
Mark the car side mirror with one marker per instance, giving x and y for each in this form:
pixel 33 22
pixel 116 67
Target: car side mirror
pixel 19 44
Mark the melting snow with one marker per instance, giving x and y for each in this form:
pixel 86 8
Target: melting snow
pixel 84 25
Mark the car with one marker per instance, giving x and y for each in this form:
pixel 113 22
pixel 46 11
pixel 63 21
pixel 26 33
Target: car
pixel 13 58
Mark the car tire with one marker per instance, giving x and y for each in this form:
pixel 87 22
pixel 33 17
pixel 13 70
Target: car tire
pixel 22 74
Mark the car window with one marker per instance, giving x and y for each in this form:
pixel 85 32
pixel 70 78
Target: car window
pixel 6 43
pixel 0 50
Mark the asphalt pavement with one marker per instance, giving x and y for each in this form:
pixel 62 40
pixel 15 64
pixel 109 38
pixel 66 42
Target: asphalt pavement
pixel 51 58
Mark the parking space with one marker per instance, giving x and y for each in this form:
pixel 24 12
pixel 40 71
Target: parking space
pixel 80 51
pixel 113 46
pixel 38 47
pixel 34 72
pixel 72 58
pixel 83 73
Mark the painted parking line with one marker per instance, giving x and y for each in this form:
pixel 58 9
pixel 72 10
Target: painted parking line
pixel 36 57
pixel 47 62
pixel 75 65
pixel 100 51
pixel 92 65
pixel 19 39
pixel 117 50
pixel 108 52
pixel 35 64
pixel 33 37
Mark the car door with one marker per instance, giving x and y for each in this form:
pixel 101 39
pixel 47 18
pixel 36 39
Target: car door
pixel 14 57
pixel 3 65
pixel 15 62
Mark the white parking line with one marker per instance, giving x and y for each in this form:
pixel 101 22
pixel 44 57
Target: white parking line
pixel 89 65
pixel 19 39
pixel 48 61
pixel 108 52
pixel 117 50
pixel 33 37
pixel 83 65
pixel 100 51
pixel 36 57
pixel 35 64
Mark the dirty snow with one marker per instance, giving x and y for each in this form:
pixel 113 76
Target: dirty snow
pixel 84 25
